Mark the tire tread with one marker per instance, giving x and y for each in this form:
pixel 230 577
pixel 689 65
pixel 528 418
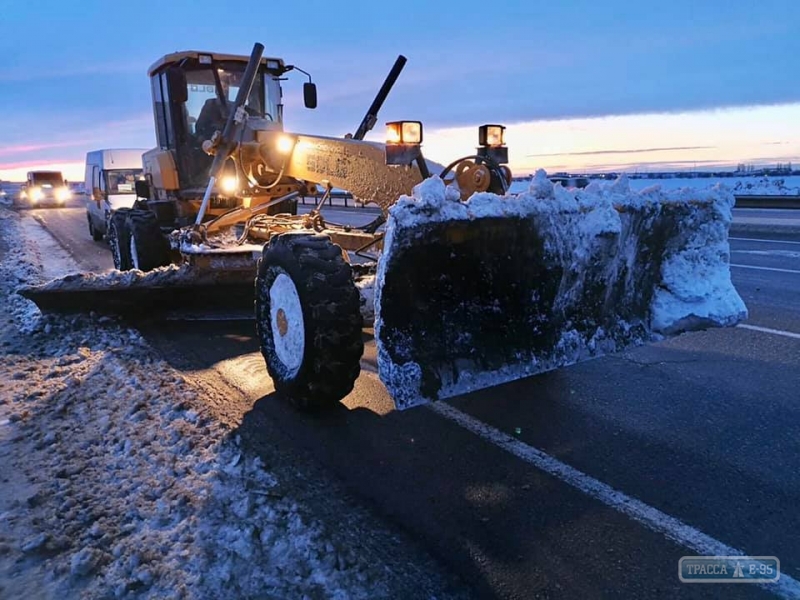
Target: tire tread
pixel 331 310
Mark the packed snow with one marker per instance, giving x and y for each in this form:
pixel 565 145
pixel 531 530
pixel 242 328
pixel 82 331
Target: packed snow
pixel 694 290
pixel 366 292
pixel 119 482
pixel 168 276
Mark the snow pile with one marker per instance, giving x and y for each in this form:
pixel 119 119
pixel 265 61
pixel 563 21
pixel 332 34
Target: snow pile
pixel 765 187
pixel 120 483
pixel 366 292
pixel 26 264
pixel 597 242
pixel 138 493
pixel 696 290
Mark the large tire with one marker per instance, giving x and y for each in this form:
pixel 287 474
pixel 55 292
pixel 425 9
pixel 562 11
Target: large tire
pixel 96 235
pixel 119 239
pixel 308 319
pixel 148 247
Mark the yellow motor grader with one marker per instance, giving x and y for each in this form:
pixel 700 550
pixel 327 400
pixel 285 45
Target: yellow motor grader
pixel 470 285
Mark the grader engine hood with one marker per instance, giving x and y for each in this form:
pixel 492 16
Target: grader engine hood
pixel 353 165
pixel 474 294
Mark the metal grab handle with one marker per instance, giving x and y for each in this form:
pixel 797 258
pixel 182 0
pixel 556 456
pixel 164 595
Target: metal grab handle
pixel 235 117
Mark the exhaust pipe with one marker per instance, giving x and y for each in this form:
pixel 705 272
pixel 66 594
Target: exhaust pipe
pixel 369 120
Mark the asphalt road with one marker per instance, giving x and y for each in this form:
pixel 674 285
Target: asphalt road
pixel 704 428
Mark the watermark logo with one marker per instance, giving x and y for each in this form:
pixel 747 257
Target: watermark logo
pixel 729 569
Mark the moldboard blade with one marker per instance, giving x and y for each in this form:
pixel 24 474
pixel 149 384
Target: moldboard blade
pixel 134 294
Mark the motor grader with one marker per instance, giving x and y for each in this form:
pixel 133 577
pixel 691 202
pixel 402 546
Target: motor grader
pixel 473 286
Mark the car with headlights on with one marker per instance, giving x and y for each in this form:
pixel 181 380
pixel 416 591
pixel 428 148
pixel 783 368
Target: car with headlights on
pixel 45 188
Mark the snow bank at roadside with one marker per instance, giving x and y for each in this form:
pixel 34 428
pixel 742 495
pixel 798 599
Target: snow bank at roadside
pixel 765 186
pixel 125 485
pixel 138 492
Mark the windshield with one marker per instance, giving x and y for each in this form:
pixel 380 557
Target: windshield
pixel 204 112
pixel 48 179
pixel 122 181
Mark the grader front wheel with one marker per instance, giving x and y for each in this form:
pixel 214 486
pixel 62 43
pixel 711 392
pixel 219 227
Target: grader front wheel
pixel 119 239
pixel 308 319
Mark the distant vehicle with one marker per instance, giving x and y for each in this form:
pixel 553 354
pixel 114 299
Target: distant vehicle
pixel 110 183
pixel 45 188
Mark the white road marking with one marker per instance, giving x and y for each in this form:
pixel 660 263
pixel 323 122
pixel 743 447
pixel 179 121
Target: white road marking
pixel 652 518
pixel 788 334
pixel 766 268
pixel 177 316
pixel 738 239
pixel 793 254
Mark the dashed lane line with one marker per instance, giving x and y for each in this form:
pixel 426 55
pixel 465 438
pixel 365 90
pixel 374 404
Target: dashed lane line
pixel 766 269
pixel 738 239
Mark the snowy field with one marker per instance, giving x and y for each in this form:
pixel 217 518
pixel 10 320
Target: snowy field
pixel 740 186
pixel 117 482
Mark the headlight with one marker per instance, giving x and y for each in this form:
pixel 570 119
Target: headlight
pixel 229 184
pixel 491 135
pixel 63 194
pixel 285 144
pixel 404 132
pixel 492 143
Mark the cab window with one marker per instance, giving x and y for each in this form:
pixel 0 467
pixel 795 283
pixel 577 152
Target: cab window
pixel 122 181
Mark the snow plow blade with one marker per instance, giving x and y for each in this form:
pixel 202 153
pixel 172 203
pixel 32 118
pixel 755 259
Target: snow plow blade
pixel 183 290
pixel 474 294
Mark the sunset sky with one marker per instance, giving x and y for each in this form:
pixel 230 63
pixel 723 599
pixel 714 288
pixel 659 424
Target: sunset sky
pixel 581 85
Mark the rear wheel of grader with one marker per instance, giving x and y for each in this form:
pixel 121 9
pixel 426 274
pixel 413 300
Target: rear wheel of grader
pixel 119 239
pixel 96 235
pixel 308 319
pixel 148 247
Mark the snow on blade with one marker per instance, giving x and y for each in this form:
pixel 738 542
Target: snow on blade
pixel 477 293
pixel 173 287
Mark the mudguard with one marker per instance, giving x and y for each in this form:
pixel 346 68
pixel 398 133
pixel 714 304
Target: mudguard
pixel 473 294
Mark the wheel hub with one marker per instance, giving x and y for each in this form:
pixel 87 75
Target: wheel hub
pixel 286 320
pixel 283 324
pixel 134 253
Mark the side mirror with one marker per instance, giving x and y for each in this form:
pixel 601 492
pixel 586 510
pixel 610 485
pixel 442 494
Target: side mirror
pixel 176 85
pixel 310 94
pixel 142 189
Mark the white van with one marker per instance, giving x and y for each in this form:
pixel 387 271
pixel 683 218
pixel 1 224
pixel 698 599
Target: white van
pixel 110 180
